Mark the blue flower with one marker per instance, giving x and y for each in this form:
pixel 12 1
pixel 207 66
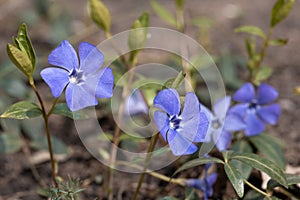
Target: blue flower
pixel 83 81
pixel 135 104
pixel 256 110
pixel 222 123
pixel 205 184
pixel 180 129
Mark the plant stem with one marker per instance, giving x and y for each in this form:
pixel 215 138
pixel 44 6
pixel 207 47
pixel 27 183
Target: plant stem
pixel 45 117
pixel 256 189
pixel 149 154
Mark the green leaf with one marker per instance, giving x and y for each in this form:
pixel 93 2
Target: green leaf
pixel 58 146
pixel 25 44
pixel 168 198
pixel 292 179
pixel 10 143
pixel 175 82
pixel 281 10
pixel 278 42
pixel 20 59
pixel 269 148
pixel 253 195
pixel 22 110
pixel 63 109
pixel 251 47
pixel 242 146
pixel 100 14
pixel 197 162
pixel 253 30
pixel 163 13
pixel 138 32
pixel 262 164
pixel 227 155
pixel 235 178
pixel 263 74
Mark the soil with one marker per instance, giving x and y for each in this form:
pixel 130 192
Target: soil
pixel 16 179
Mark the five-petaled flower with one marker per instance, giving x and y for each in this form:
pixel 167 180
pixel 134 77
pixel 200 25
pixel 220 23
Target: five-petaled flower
pixel 205 184
pixel 256 110
pixel 222 123
pixel 180 129
pixel 84 81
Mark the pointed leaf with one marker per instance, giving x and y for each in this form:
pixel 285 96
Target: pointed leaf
pixel 197 162
pixel 175 82
pixel 63 109
pixel 263 74
pixel 25 43
pixel 242 146
pixel 100 14
pixel 278 42
pixel 267 166
pixel 269 148
pixel 22 110
pixel 20 59
pixel 253 30
pixel 10 143
pixel 235 178
pixel 281 10
pixel 163 13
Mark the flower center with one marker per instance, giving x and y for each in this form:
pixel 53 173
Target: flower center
pixel 174 122
pixel 76 77
pixel 253 106
pixel 216 123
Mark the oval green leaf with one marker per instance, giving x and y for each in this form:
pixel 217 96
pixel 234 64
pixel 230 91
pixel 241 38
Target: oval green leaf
pixel 197 162
pixel 63 109
pixel 269 148
pixel 22 110
pixel 253 30
pixel 163 13
pixel 265 165
pixel 281 10
pixel 235 178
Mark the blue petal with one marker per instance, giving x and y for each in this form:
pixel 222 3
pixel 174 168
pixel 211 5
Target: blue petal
pixel 270 113
pixel 135 104
pixel 91 58
pixel 254 125
pixel 223 141
pixel 234 122
pixel 168 101
pixel 56 78
pixel 191 107
pixel 105 83
pixel 202 127
pixel 210 129
pixel 162 123
pixel 239 109
pixel 179 145
pixel 245 94
pixel 221 106
pixel 196 183
pixel 211 179
pixel 64 56
pixel 266 94
pixel 78 97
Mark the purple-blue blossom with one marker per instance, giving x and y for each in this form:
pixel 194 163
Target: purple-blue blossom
pixel 205 184
pixel 180 129
pixel 83 81
pixel 136 104
pixel 222 123
pixel 256 109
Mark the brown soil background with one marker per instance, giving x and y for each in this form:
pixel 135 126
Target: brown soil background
pixel 16 181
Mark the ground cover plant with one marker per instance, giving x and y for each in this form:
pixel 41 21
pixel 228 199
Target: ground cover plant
pixel 151 105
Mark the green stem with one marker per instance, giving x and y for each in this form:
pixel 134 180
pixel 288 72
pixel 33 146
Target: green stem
pixel 45 117
pixel 256 189
pixel 149 154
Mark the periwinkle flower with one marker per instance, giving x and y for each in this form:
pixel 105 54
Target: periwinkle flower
pixel 256 110
pixel 84 81
pixel 180 129
pixel 205 184
pixel 222 123
pixel 135 104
